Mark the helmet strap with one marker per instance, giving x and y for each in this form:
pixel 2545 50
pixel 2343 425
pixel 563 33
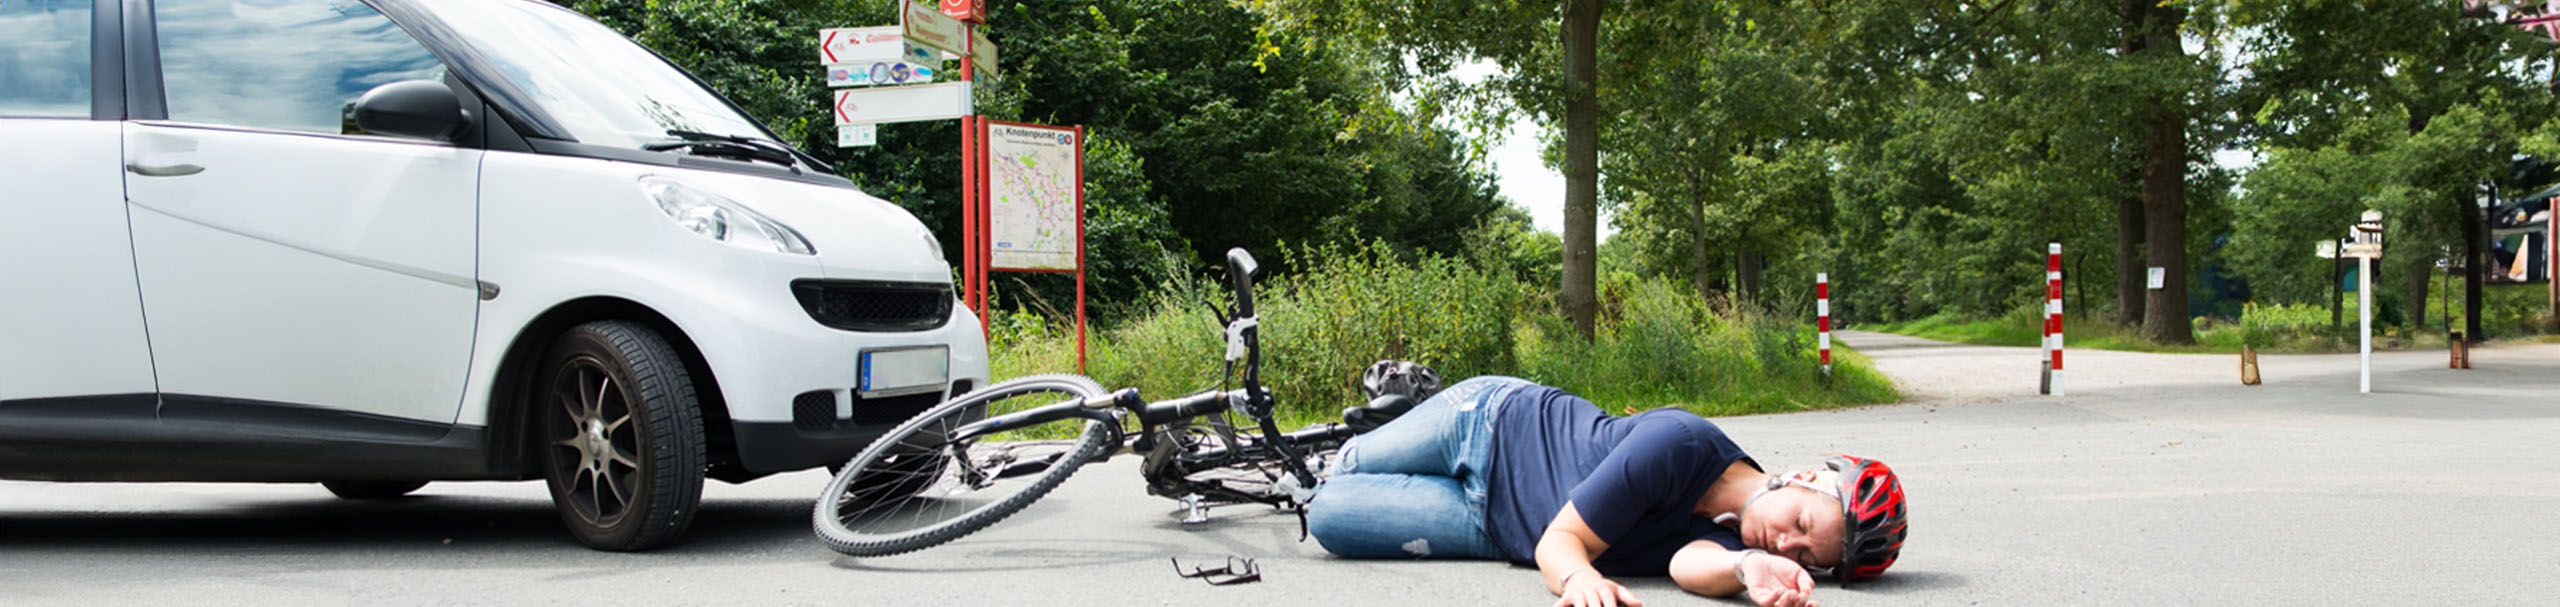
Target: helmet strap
pixel 1731 518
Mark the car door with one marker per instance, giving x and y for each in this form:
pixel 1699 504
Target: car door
pixel 294 269
pixel 71 341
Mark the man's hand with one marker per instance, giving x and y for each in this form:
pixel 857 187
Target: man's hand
pixel 1590 589
pixel 1774 581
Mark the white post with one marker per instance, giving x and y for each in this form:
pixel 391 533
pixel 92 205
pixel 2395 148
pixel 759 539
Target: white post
pixel 1822 316
pixel 2053 311
pixel 2364 322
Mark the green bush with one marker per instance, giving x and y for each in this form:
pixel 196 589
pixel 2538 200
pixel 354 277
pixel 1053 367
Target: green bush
pixel 2269 326
pixel 1347 307
pixel 1659 345
pixel 2514 310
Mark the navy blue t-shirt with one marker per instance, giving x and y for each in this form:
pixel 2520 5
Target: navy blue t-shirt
pixel 1636 480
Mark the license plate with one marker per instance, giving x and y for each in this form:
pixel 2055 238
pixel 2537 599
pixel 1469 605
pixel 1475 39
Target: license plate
pixel 905 371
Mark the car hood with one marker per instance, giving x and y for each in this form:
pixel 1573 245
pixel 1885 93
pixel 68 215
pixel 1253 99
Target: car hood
pixel 858 236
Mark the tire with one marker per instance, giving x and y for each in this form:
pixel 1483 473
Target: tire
pixel 621 436
pixel 372 490
pixel 861 514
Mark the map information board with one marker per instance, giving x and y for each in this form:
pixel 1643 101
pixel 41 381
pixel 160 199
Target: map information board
pixel 1035 195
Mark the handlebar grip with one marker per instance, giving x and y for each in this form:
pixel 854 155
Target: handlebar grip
pixel 1241 268
pixel 1124 399
pixel 1187 407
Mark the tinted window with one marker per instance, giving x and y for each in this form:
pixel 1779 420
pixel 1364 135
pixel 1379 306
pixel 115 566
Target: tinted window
pixel 44 58
pixel 281 64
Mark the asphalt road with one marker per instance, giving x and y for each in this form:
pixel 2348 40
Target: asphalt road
pixel 2158 480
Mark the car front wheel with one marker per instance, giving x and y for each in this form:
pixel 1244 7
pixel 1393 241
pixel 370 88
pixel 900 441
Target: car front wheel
pixel 621 436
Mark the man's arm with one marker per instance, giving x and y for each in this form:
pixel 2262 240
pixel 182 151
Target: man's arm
pixel 1564 556
pixel 1707 568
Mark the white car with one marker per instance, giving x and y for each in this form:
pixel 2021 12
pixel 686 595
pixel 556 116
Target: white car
pixel 376 243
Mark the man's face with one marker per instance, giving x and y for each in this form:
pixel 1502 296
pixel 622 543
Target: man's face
pixel 1797 522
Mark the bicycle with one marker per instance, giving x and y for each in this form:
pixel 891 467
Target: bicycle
pixel 947 473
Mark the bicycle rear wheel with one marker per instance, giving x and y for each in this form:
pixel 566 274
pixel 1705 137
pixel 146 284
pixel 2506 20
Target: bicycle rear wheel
pixel 947 489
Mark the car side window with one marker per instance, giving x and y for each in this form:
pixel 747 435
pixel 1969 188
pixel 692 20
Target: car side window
pixel 44 58
pixel 281 64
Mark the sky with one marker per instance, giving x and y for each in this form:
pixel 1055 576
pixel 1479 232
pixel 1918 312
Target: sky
pixel 1523 178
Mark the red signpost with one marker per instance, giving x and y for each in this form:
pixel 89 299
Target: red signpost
pixel 980 143
pixel 958 28
pixel 973 11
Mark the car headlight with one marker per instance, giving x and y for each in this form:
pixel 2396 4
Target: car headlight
pixel 933 245
pixel 721 219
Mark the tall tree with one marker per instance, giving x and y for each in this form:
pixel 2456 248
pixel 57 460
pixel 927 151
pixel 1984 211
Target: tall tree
pixel 1527 40
pixel 1580 296
pixel 2164 175
pixel 2433 100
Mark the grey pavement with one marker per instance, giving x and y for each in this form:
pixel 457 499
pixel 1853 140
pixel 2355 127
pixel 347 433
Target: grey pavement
pixel 2158 480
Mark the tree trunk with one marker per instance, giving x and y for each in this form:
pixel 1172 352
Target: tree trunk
pixel 2337 292
pixel 2472 268
pixel 2079 288
pixel 1702 267
pixel 2129 272
pixel 2129 225
pixel 2419 270
pixel 1581 164
pixel 1746 277
pixel 2164 187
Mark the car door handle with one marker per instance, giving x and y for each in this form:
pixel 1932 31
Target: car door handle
pixel 163 170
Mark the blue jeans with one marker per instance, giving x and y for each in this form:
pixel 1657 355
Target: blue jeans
pixel 1415 487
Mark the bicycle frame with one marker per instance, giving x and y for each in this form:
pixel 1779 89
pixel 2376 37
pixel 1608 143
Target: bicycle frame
pixel 1171 459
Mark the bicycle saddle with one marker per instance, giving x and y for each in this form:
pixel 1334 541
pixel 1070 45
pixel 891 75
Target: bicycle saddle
pixel 1385 408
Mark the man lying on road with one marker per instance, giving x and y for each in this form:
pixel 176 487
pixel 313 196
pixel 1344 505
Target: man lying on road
pixel 1501 468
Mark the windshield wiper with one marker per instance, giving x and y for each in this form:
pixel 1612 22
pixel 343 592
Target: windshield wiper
pixel 753 148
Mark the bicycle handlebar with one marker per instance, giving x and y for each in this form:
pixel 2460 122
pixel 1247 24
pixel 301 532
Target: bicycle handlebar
pixel 1241 268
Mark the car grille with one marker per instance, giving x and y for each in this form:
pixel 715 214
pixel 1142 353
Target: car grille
pixel 892 409
pixel 814 410
pixel 875 306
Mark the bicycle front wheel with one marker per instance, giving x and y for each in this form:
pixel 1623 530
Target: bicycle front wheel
pixel 915 488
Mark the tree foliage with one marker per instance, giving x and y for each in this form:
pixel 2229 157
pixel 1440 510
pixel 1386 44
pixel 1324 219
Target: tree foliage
pixel 1204 133
pixel 1921 152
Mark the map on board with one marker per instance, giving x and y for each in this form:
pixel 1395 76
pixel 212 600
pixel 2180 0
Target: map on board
pixel 1033 193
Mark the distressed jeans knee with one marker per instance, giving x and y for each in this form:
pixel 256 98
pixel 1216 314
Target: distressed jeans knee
pixel 1398 516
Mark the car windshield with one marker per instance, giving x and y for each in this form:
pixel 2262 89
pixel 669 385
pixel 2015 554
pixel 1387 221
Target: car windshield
pixel 595 85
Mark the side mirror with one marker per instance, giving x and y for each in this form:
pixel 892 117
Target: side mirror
pixel 424 109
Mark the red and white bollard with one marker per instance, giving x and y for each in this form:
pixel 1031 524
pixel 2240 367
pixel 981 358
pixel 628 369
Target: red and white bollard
pixel 1822 317
pixel 2053 317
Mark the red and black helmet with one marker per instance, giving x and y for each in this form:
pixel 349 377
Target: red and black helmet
pixel 1871 503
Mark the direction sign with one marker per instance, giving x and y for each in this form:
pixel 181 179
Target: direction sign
pixel 982 52
pixel 973 11
pixel 860 44
pixel 879 73
pixel 857 135
pixel 926 25
pixel 902 103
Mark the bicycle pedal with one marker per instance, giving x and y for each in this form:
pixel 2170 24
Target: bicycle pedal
pixel 1297 494
pixel 1194 513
